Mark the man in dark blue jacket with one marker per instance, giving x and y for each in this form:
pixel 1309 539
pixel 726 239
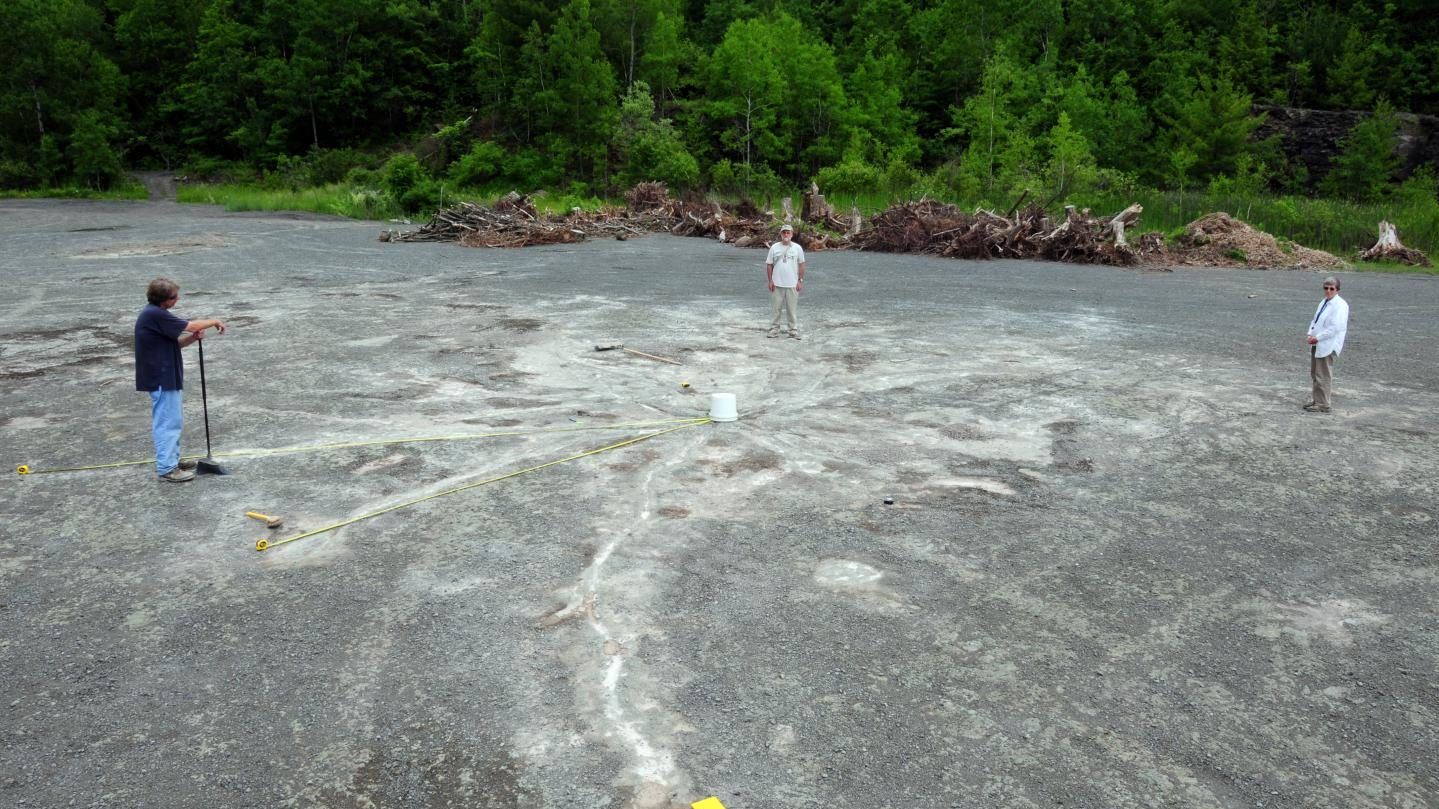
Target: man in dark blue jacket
pixel 159 336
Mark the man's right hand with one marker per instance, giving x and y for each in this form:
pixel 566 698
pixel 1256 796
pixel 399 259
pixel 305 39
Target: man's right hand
pixel 771 286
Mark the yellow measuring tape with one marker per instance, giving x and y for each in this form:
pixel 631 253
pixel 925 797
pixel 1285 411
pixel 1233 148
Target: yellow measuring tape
pixel 24 469
pixel 265 544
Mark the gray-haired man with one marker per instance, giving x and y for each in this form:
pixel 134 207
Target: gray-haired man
pixel 1326 340
pixel 784 270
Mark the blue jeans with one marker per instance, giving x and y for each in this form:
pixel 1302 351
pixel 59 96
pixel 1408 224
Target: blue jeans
pixel 165 423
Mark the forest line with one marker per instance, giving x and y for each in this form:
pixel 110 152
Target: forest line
pixel 959 99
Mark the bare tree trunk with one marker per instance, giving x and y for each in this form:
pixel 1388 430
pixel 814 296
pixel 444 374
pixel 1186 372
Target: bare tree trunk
pixel 748 130
pixel 39 119
pixel 630 68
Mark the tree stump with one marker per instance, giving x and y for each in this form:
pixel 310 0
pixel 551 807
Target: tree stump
pixel 816 211
pixel 1388 248
pixel 1124 217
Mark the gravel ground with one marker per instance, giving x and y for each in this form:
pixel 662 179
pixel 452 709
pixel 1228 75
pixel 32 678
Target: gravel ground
pixel 1121 568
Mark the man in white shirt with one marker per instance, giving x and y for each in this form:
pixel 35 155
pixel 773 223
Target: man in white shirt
pixel 784 268
pixel 1326 340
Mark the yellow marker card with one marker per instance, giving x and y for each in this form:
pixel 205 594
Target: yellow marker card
pixel 708 803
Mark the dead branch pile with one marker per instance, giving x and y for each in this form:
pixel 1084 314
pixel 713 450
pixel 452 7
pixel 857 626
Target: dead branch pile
pixel 925 226
pixel 1388 248
pixel 648 197
pixel 908 228
pixel 932 227
pixel 1220 240
pixel 513 222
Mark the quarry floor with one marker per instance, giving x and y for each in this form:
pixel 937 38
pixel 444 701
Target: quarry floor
pixel 1121 566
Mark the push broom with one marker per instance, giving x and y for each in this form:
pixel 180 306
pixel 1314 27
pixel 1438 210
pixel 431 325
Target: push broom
pixel 207 464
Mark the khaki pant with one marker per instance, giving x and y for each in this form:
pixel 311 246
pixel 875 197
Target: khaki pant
pixel 1321 370
pixel 784 300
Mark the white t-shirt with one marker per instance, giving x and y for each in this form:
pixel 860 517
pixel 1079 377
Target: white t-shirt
pixel 786 261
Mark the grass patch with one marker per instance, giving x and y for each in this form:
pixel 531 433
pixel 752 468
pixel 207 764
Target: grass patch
pixel 338 200
pixel 127 191
pixel 360 203
pixel 1389 266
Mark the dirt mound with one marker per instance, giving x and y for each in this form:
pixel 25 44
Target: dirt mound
pixel 1220 240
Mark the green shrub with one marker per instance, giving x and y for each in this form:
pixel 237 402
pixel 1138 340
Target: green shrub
pixel 402 173
pixel 659 155
pixel 327 166
pixel 482 165
pixel 217 170
pixel 722 177
pixel 18 174
pixel 850 176
pixel 423 197
pixel 530 169
pixel 364 178
pixel 899 177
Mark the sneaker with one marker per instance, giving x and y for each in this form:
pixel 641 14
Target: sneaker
pixel 1316 408
pixel 189 463
pixel 773 333
pixel 794 335
pixel 178 475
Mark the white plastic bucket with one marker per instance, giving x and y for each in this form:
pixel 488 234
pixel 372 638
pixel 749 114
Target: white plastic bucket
pixel 722 407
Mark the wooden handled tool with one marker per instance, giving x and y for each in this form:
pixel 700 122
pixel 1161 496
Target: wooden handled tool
pixel 270 522
pixel 621 347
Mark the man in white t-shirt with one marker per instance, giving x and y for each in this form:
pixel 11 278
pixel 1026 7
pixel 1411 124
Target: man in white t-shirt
pixel 784 269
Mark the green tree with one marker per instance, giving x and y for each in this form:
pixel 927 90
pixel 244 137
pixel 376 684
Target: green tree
pixel 153 43
pixel 580 102
pixel 1367 160
pixel 1071 166
pixel 774 96
pixel 1111 118
pixel 878 112
pixel 94 160
pixel 1350 77
pixel 219 98
pixel 1245 50
pixel 667 55
pixel 649 147
pixel 1000 151
pixel 626 27
pixel 54 78
pixel 1213 121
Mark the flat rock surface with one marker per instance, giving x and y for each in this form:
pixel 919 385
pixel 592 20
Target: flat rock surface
pixel 1121 567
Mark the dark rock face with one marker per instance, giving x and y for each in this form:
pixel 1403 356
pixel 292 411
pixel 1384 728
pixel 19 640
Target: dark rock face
pixel 1311 137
